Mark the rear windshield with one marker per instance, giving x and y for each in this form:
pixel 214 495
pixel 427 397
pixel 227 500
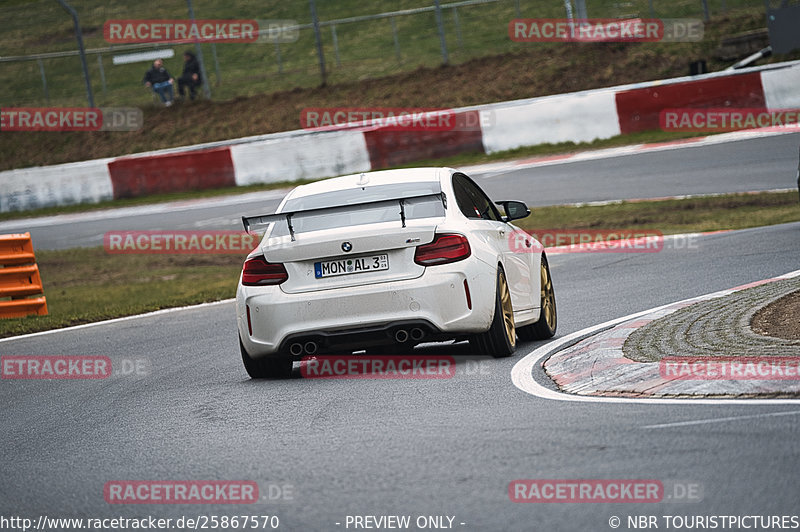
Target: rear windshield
pixel 414 208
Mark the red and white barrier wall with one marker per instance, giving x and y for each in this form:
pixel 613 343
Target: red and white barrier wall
pixel 62 184
pixel 576 117
pixel 302 156
pixel 781 88
pixel 290 156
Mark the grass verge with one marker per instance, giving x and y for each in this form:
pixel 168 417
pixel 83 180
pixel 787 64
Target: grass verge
pixel 711 213
pixel 85 285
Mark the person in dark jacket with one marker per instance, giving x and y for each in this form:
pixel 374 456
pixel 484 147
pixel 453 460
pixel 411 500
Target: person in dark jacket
pixel 190 77
pixel 160 80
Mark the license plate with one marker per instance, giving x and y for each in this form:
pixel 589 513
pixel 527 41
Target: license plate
pixel 332 268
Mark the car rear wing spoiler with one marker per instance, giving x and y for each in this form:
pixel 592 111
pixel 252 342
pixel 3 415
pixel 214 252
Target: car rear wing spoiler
pixel 258 223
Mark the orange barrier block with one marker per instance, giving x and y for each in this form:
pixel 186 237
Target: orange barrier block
pixel 19 308
pixel 16 249
pixel 19 278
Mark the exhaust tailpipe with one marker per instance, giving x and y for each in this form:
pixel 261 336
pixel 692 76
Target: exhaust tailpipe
pixel 296 349
pixel 417 334
pixel 310 348
pixel 401 336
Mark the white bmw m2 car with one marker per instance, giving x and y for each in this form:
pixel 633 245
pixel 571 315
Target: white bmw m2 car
pixel 383 261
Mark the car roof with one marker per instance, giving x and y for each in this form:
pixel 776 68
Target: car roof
pixel 382 177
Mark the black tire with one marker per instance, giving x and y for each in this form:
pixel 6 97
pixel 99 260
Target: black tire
pixel 546 326
pixel 501 339
pixel 270 367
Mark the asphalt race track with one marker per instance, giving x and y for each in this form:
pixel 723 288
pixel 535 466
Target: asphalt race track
pixel 756 164
pixel 412 447
pixel 741 166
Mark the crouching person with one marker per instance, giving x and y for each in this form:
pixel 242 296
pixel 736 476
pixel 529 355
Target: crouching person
pixel 190 78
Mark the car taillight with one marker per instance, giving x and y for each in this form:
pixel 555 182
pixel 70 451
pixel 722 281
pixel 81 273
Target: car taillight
pixel 258 272
pixel 444 249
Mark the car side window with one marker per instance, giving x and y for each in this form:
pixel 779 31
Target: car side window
pixel 481 205
pixel 464 199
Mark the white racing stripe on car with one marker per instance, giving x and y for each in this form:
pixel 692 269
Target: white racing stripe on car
pixel 522 372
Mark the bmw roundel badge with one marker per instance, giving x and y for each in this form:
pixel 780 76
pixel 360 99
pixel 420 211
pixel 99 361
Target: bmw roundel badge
pixel 347 246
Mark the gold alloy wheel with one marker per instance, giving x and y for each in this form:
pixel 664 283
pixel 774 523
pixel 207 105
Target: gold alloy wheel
pixel 508 311
pixel 548 297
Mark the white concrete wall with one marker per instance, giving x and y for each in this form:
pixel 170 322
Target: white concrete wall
pixel 63 184
pixel 308 156
pixel 576 117
pixel 782 87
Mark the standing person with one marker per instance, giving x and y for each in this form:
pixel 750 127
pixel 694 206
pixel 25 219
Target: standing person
pixel 161 82
pixel 190 76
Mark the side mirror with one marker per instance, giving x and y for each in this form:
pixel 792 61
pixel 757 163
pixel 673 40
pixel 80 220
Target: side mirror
pixel 515 210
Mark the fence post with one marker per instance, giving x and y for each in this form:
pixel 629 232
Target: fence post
pixel 580 7
pixel 440 27
pixel 320 54
pixel 278 56
pixel 102 74
pixel 216 62
pixel 706 14
pixel 458 28
pixel 335 45
pixel 570 17
pixel 44 81
pixel 199 50
pixel 79 36
pixel 396 40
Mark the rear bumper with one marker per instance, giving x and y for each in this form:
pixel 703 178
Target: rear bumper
pixel 357 338
pixel 364 316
